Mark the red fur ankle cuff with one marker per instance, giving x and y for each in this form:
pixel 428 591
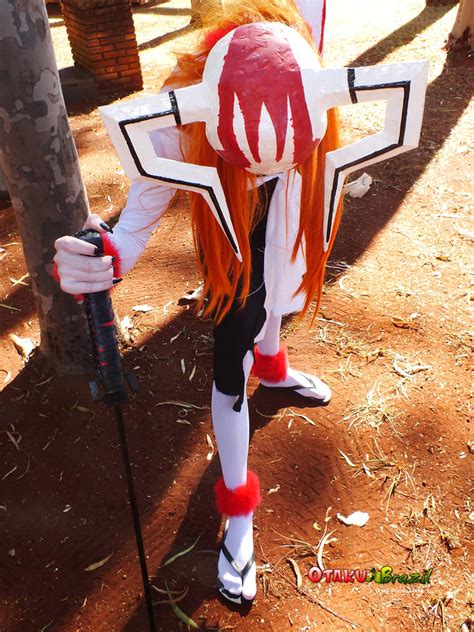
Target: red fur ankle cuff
pixel 271 368
pixel 240 501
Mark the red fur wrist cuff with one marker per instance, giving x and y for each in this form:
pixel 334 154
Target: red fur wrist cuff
pixel 111 249
pixel 271 368
pixel 240 501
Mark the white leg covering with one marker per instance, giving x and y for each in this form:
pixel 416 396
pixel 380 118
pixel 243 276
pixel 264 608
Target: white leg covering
pixel 270 343
pixel 231 430
pixel 311 386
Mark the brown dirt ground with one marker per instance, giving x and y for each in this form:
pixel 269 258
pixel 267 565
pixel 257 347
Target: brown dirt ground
pixel 398 297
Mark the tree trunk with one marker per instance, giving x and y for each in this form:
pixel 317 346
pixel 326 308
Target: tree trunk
pixel 195 9
pixel 41 170
pixel 4 195
pixel 434 3
pixel 462 35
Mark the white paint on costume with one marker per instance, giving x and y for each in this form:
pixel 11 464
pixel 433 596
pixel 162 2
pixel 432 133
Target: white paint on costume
pixel 314 12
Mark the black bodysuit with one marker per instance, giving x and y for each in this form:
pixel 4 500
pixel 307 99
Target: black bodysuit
pixel 235 335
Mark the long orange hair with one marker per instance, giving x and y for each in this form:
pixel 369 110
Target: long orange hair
pixel 225 278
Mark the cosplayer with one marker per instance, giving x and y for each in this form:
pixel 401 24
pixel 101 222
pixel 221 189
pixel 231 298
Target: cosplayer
pixel 246 121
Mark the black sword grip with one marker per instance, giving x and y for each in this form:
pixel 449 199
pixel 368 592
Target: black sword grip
pixel 101 319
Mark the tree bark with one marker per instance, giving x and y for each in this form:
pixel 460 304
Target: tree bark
pixel 195 9
pixel 462 35
pixel 41 170
pixel 4 195
pixel 434 3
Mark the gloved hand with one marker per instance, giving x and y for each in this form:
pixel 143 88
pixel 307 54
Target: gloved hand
pixel 76 268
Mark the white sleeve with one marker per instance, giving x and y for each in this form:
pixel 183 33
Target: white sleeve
pixel 314 12
pixel 146 204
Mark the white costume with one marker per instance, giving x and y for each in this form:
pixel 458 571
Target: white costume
pixel 147 202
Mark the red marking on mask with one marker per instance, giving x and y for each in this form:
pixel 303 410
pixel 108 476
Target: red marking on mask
pixel 323 24
pixel 260 69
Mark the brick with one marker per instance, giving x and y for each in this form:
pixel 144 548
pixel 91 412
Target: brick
pixel 105 63
pixel 113 54
pixel 129 73
pixel 129 59
pixel 135 64
pixel 126 44
pixel 107 32
pixel 70 17
pixel 92 54
pixel 94 58
pixel 116 20
pixel 105 76
pixel 117 37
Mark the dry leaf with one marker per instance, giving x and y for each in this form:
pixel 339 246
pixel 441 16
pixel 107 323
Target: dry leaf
pixel 366 470
pixel 15 309
pixel 358 188
pixel 301 416
pixel 211 445
pixel 273 490
pixel 125 325
pixel 20 281
pixel 406 323
pixel 83 409
pixel 346 458
pixel 7 375
pixel 409 370
pixel 165 307
pixel 182 404
pixel 177 336
pixel 192 297
pixel 143 308
pixel 24 346
pixel 14 469
pixel 96 565
pixel 13 439
pixel 296 570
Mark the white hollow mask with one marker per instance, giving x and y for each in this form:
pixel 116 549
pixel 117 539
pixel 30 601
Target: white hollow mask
pixel 260 81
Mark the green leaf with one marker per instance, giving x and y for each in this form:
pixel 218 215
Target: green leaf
pixel 181 553
pixel 180 614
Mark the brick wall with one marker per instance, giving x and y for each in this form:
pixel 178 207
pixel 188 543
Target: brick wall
pixel 103 42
